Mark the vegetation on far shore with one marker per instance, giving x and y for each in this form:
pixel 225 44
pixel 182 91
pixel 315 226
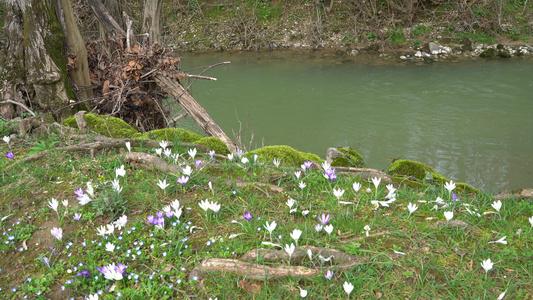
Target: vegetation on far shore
pixel 388 241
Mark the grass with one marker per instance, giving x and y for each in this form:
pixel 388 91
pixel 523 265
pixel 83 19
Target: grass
pixel 407 254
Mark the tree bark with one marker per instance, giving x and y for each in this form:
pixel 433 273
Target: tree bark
pixel 77 54
pixel 151 23
pixel 197 112
pixel 36 74
pixel 105 18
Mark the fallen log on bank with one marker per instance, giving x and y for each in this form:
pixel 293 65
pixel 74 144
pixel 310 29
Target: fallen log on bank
pixel 197 112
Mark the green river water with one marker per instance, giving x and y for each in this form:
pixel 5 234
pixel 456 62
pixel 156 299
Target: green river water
pixel 471 120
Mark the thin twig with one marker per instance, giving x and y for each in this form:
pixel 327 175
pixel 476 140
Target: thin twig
pixel 19 104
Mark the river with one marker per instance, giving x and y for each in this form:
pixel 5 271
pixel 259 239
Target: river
pixel 470 119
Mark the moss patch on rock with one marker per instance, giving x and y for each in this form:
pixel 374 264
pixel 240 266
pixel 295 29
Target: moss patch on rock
pixel 348 158
pixel 413 173
pixel 172 134
pixel 288 155
pixel 105 125
pixel 214 143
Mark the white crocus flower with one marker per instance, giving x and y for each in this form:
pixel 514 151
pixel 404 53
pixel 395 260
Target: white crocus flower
pixel 7 139
pixel 376 181
pixel 90 189
pixel 53 204
pixel 120 171
pixel 214 206
pixel 356 186
pixel 175 204
pixel 450 186
pixel 298 174
pixel 302 185
pixel 531 221
pixel 121 222
pixel 303 293
pixel 163 144
pixel 116 185
pixel 110 228
pixel 367 229
pixel 158 151
pixel 295 235
pixel 276 162
pixel 128 146
pixel 192 153
pixel 487 265
pixel 497 205
pixel 244 160
pixel 109 247
pixel 290 250
pixel 162 184
pixel 338 193
pixel 204 204
pixel 270 227
pixel 168 152
pixel 500 241
pixel 348 287
pixel 290 202
pixel 328 228
pixel 390 187
pixel 65 203
pixel 411 207
pixel 255 158
pixel 187 171
pixel 230 156
pixel 448 215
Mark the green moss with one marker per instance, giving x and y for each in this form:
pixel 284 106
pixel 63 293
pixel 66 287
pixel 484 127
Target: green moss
pixel 214 143
pixel 348 158
pixel 288 155
pixel 172 134
pixel 105 125
pixel 413 173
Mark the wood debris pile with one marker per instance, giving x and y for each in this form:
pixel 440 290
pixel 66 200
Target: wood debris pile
pixel 123 82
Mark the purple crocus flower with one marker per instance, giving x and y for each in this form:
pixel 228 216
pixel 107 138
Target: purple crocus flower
pixel 454 197
pixel 121 268
pixel 102 270
pixel 79 192
pixel 159 214
pixel 183 179
pixel 150 219
pixel 333 176
pixel 329 274
pixel 77 216
pixel 10 155
pixel 324 219
pixel 248 216
pixel 169 214
pixel 308 164
pixel 46 261
pixel 198 163
pixel 84 273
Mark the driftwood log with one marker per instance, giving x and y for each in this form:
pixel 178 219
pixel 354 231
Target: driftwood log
pixel 197 112
pixel 341 261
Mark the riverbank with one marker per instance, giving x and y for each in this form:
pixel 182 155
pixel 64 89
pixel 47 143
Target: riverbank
pixel 395 28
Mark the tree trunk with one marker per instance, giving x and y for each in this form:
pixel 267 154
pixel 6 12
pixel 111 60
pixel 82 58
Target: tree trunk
pixel 77 54
pixel 36 74
pixel 151 23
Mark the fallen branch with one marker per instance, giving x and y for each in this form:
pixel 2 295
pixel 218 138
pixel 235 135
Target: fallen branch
pixel 258 271
pixel 365 173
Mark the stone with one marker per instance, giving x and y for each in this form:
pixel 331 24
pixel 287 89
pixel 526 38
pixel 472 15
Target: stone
pixel 434 48
pixel 418 54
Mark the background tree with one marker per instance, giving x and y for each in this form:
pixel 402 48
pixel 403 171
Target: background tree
pixel 35 75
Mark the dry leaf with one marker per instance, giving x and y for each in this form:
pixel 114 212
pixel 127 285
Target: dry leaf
pixel 252 288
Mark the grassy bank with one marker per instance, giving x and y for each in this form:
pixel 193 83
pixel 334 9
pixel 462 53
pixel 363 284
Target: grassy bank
pixel 375 25
pixel 163 237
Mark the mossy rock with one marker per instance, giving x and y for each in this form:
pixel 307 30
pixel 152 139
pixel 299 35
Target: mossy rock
pixel 172 134
pixel 105 125
pixel 489 53
pixel 214 143
pixel 413 173
pixel 348 158
pixel 504 53
pixel 288 155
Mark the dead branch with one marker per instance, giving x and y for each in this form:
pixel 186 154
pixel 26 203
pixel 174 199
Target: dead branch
pixel 19 104
pixel 365 173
